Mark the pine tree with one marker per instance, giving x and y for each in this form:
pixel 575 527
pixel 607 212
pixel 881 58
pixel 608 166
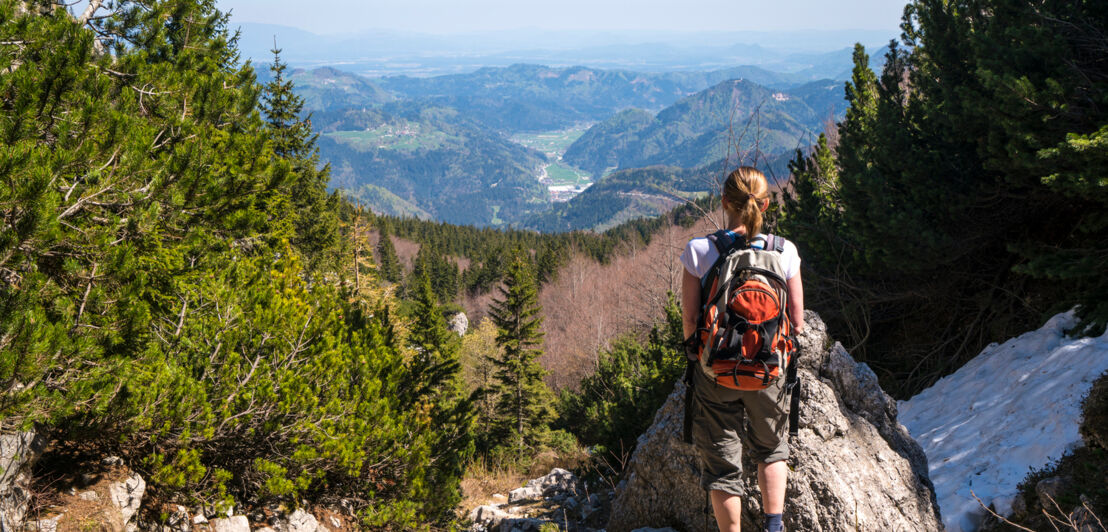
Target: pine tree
pixel 149 301
pixel 525 405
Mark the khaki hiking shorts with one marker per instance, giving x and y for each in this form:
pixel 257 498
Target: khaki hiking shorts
pixel 718 414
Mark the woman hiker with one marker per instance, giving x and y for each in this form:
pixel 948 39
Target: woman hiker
pixel 718 411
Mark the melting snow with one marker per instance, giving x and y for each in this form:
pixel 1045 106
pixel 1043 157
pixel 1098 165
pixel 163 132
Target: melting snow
pixel 1014 407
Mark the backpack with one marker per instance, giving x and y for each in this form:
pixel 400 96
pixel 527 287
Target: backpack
pixel 745 331
pixel 744 337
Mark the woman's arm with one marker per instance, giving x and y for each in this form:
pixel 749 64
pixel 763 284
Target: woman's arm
pixel 690 302
pixel 796 302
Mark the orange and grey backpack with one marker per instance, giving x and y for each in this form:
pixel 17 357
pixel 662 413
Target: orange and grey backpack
pixel 744 338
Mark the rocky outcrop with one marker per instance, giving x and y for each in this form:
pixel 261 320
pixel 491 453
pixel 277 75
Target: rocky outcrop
pixel 18 453
pixel 459 323
pixel 556 499
pixel 853 467
pixel 558 481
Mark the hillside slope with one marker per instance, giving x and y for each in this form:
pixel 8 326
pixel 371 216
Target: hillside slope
pixel 328 89
pixel 430 161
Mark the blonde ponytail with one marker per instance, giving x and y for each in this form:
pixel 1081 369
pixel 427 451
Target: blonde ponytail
pixel 746 191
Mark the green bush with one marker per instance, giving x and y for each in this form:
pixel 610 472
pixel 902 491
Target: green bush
pixel 170 288
pixel 632 380
pixel 1094 427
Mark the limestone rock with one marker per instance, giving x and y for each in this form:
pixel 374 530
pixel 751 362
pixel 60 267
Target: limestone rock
pixel 459 323
pixel 42 525
pixel 1083 519
pixel 18 453
pixel 127 495
pixel 237 523
pixel 522 524
pixel 178 521
pixel 1048 490
pixel 90 495
pixel 488 517
pixel 299 521
pixel 558 482
pixel 526 493
pixel 852 463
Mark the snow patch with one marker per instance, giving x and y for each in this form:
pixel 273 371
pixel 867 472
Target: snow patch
pixel 1014 407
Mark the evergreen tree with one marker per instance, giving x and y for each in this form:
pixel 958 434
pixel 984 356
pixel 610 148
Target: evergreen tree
pixel 436 379
pixel 316 225
pixel 811 213
pixel 150 302
pixel 526 403
pixel 442 272
pixel 387 261
pixel 968 204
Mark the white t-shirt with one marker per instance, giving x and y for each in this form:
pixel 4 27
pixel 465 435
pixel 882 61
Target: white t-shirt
pixel 700 254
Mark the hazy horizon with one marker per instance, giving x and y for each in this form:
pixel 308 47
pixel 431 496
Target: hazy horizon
pixel 445 17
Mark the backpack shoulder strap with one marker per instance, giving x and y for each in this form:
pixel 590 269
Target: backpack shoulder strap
pixel 724 241
pixel 776 243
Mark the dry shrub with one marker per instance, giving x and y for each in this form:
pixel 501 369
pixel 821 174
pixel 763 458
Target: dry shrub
pixel 590 304
pixel 483 479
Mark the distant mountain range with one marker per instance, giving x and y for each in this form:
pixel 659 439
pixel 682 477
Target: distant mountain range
pixel 438 147
pixel 732 118
pixel 389 52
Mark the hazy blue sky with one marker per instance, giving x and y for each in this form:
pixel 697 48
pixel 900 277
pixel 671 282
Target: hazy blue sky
pixel 465 16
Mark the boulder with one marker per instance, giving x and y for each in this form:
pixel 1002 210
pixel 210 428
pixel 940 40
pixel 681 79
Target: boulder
pixel 558 482
pixel 526 493
pixel 853 467
pixel 523 524
pixel 459 323
pixel 299 521
pixel 178 521
pixel 126 495
pixel 488 517
pixel 237 523
pixel 18 453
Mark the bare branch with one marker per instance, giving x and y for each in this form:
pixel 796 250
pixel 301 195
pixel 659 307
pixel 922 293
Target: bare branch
pixel 93 7
pixel 996 515
pixel 84 300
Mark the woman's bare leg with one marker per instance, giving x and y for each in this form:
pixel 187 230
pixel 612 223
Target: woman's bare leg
pixel 771 482
pixel 728 509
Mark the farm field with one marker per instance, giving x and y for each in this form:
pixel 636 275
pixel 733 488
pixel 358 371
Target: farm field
pixel 552 143
pixel 561 174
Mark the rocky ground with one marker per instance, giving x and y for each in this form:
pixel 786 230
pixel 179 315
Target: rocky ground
pixel 557 500
pixel 107 496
